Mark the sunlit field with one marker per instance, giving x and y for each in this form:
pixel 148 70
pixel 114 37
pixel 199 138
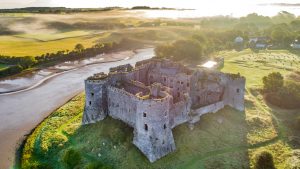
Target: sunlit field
pixel 226 139
pixel 37 34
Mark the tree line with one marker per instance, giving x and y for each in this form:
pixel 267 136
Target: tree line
pixel 21 63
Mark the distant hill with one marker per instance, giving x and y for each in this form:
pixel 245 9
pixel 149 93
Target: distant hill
pixel 74 10
pixel 55 10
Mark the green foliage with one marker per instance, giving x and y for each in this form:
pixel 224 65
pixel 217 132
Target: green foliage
pixel 97 165
pixel 181 49
pixel 164 50
pixel 71 158
pixel 264 160
pixel 285 94
pixel 273 82
pixel 27 61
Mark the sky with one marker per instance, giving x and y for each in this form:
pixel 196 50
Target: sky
pixel 224 7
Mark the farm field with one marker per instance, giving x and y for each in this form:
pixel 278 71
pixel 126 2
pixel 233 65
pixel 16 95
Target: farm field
pixel 226 139
pixel 37 34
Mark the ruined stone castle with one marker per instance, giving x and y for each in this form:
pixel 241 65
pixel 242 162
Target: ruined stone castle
pixel 157 95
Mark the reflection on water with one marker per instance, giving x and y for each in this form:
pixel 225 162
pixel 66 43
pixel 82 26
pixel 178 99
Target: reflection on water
pixel 28 79
pixel 209 64
pixel 238 10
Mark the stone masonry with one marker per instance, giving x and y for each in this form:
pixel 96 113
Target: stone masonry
pixel 157 95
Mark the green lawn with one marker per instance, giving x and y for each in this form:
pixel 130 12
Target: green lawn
pixel 226 139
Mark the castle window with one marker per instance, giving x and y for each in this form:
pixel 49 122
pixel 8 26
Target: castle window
pixel 188 84
pixel 238 90
pixel 144 114
pixel 165 79
pixel 163 142
pixel 165 126
pixel 92 94
pixel 178 94
pixel 146 127
pixel 181 82
pixel 90 102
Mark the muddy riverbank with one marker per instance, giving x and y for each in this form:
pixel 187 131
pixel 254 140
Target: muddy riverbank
pixel 21 111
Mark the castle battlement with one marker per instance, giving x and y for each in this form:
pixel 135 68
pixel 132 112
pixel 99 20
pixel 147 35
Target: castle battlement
pixel 157 95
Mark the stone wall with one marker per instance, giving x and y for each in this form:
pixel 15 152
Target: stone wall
pixel 212 108
pixel 122 105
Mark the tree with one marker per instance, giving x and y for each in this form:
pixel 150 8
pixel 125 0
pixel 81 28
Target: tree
pixel 190 49
pixel 27 61
pixel 264 161
pixel 273 82
pixel 79 47
pixel 164 50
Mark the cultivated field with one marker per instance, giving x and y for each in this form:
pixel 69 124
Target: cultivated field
pixel 37 34
pixel 227 139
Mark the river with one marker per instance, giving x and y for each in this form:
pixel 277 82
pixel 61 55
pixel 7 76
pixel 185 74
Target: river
pixel 21 111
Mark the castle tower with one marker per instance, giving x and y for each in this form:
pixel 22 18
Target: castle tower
pixel 153 133
pixel 235 91
pixel 96 100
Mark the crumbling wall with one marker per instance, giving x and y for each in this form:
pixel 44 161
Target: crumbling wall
pixel 122 105
pixel 207 88
pixel 212 108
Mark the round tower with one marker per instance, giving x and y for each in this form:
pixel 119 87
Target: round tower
pixel 95 99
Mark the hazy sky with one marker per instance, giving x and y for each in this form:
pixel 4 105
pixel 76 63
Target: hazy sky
pixel 129 3
pixel 218 6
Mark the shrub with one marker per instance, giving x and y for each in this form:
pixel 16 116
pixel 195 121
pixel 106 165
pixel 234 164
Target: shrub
pixel 37 165
pixel 273 82
pixel 71 158
pixel 97 165
pixel 264 161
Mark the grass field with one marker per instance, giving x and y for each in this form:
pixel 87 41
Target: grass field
pixel 227 139
pixel 37 34
pixel 37 44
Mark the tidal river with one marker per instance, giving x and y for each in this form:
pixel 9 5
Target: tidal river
pixel 21 111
